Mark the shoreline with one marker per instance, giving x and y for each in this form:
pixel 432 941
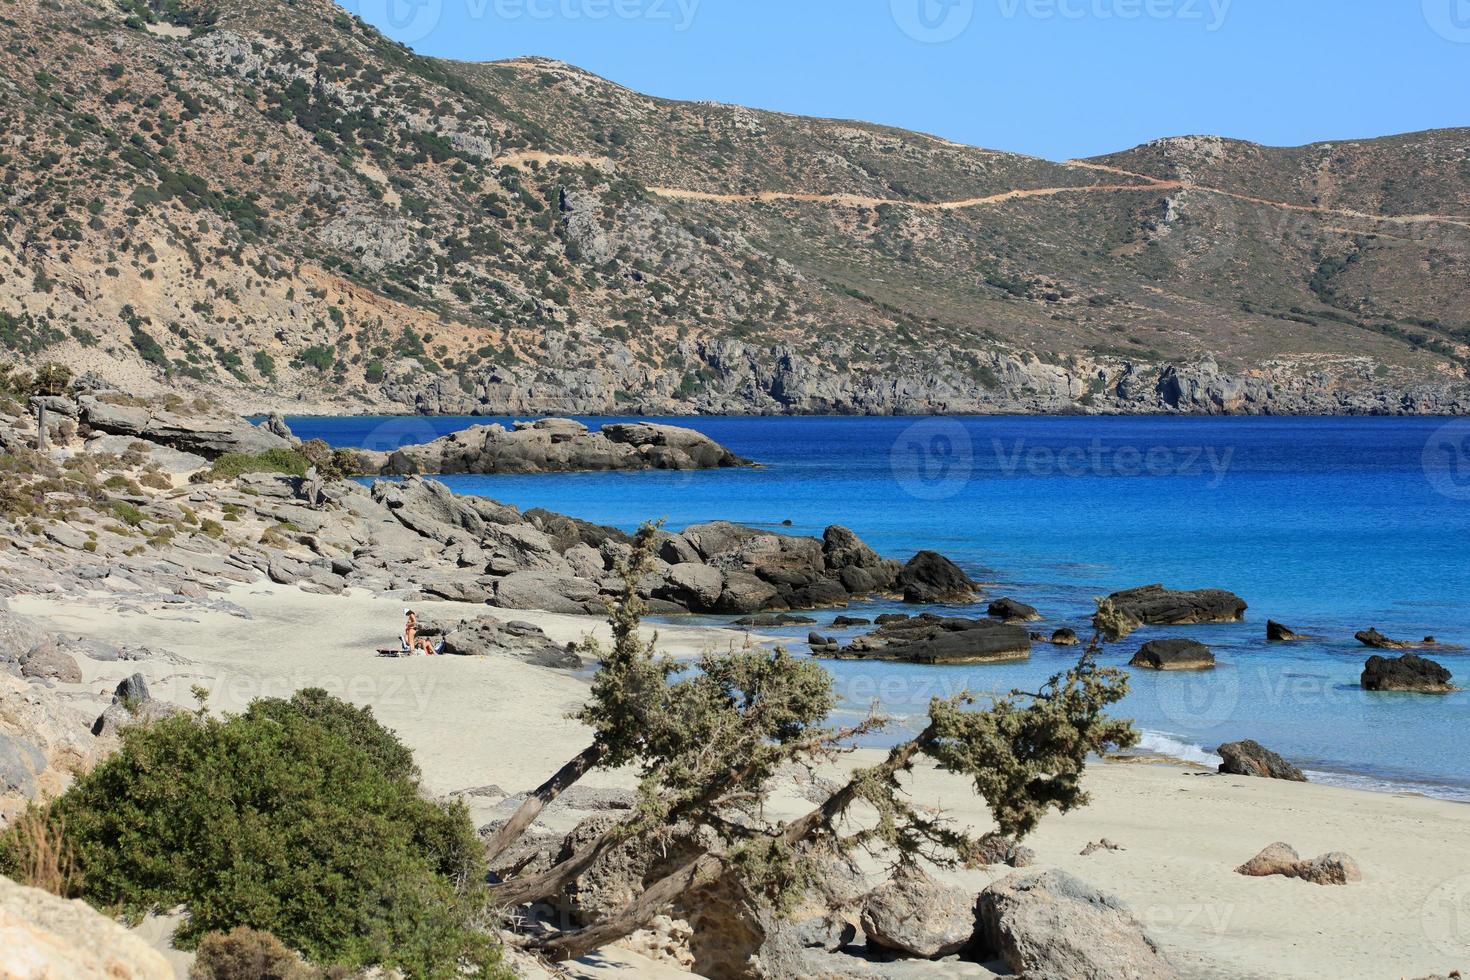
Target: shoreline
pixel 483 730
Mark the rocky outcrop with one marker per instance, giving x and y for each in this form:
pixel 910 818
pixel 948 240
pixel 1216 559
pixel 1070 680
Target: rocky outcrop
pixel 554 446
pixel 1051 926
pixel 1282 860
pixel 202 433
pixel 931 578
pixel 1173 655
pixel 915 915
pixel 1250 758
pixel 1154 605
pixel 44 742
pixel 1065 637
pixel 42 936
pixel 931 639
pixel 488 637
pixel 1011 611
pixel 1409 673
pixel 749 379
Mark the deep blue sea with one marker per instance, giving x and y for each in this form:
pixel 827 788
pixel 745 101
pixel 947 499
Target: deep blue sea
pixel 1328 525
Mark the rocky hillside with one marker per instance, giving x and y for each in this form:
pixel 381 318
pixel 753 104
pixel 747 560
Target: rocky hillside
pixel 273 202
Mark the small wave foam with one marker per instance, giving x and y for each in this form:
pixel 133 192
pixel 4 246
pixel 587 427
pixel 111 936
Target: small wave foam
pixel 1375 784
pixel 1171 747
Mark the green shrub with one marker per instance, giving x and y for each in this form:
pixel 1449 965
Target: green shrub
pixel 126 513
pixel 265 365
pixel 301 817
pixel 231 465
pixel 332 464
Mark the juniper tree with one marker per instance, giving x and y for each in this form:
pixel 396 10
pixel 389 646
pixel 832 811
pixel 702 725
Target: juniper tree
pixel 708 742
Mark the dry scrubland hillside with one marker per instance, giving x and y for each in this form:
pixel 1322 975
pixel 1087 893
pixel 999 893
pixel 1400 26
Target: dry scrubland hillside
pixel 273 201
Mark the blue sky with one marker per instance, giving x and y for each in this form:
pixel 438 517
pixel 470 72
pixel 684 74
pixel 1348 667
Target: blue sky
pixel 1053 78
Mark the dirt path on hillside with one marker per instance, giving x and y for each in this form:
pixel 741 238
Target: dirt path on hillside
pixel 1145 183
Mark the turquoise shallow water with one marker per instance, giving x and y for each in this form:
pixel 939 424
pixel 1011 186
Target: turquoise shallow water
pixel 1329 525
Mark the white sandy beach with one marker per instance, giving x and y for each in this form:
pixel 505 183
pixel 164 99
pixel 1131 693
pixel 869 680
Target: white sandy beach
pixel 477 723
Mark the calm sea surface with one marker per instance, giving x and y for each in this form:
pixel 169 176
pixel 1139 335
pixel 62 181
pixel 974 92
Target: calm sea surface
pixel 1328 525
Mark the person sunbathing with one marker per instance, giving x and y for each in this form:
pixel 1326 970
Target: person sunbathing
pixel 412 642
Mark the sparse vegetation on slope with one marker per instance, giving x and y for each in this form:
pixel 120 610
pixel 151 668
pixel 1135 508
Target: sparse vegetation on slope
pixel 275 197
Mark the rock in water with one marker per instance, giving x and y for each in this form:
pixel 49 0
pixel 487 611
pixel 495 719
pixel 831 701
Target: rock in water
pixel 45 936
pixel 1154 605
pixel 1376 640
pixel 931 639
pixel 555 446
pixel 1277 633
pixel 916 915
pixel 930 578
pixel 1065 638
pixel 1173 655
pixel 1051 926
pixel 1248 758
pixel 1409 673
pixel 1012 611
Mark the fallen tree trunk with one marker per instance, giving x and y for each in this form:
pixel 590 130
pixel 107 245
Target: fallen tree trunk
pixel 564 778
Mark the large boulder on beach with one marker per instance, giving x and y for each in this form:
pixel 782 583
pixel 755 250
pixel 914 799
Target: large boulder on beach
pixel 1409 673
pixel 43 936
pixel 548 592
pixel 1282 860
pixel 1173 655
pixel 47 661
pixel 931 639
pixel 1154 605
pixel 915 915
pixel 491 637
pixel 931 578
pixel 1251 758
pixel 1052 926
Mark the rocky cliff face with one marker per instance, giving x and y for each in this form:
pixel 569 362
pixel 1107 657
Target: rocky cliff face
pixel 744 380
